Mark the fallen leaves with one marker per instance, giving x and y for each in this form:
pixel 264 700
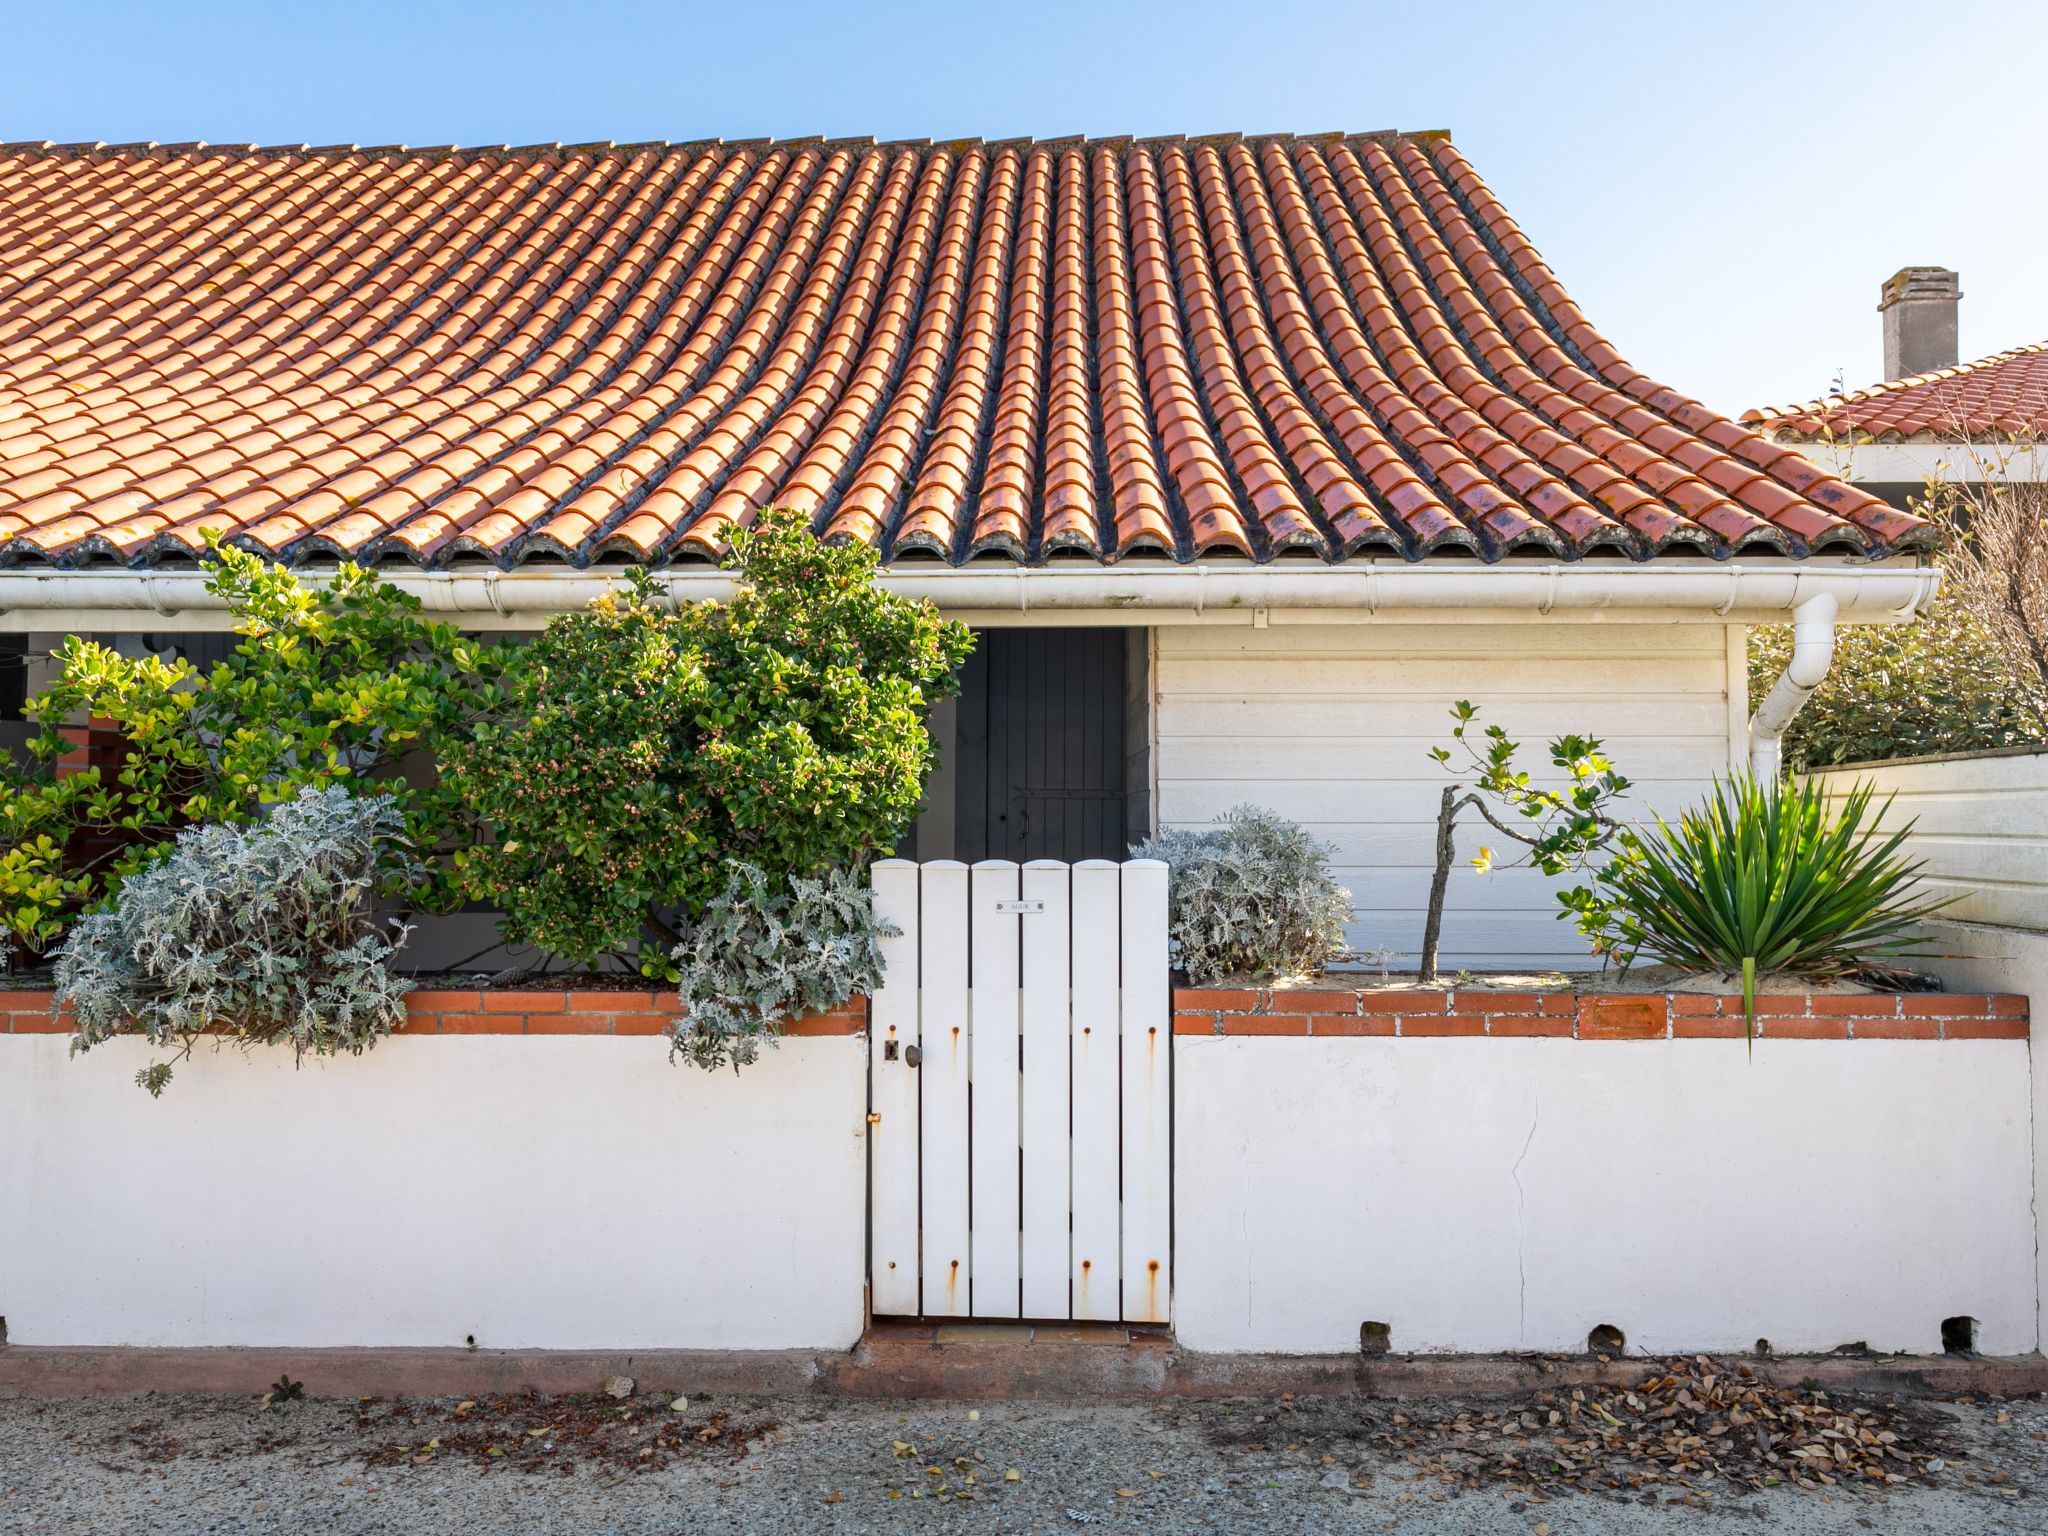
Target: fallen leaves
pixel 1691 1423
pixel 555 1434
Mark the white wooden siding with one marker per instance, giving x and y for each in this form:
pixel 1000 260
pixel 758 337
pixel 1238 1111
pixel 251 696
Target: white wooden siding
pixel 1331 725
pixel 1981 825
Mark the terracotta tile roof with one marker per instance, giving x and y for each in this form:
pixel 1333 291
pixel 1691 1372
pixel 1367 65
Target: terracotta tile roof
pixel 1328 345
pixel 2003 396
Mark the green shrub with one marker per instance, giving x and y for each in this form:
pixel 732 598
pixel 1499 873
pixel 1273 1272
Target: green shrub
pixel 329 685
pixel 1761 878
pixel 644 749
pixel 1939 684
pixel 1252 897
pixel 38 892
pixel 762 953
pixel 261 930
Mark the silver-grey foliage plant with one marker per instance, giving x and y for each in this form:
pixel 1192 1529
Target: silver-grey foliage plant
pixel 261 930
pixel 759 956
pixel 1251 897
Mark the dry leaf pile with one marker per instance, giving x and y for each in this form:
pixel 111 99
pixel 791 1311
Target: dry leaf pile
pixel 552 1434
pixel 1692 1423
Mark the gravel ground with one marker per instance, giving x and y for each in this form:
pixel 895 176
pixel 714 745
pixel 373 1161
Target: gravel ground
pixel 190 1464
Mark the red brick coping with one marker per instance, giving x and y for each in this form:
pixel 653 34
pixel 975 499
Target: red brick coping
pixel 1266 1011
pixel 510 1012
pixel 1235 1011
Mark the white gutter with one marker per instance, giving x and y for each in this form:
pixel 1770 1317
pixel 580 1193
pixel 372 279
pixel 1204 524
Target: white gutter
pixel 1813 650
pixel 1736 593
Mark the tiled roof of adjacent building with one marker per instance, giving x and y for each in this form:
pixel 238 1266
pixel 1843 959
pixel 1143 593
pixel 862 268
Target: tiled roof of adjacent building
pixel 1330 346
pixel 2004 396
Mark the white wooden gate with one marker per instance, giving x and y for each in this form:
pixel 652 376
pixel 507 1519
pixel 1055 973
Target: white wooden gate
pixel 1020 1095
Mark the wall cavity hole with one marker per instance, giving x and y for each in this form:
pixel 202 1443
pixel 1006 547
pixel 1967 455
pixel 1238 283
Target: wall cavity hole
pixel 1958 1336
pixel 1606 1339
pixel 469 1339
pixel 1763 1346
pixel 1375 1338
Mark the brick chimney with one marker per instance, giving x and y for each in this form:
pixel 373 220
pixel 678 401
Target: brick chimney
pixel 1919 309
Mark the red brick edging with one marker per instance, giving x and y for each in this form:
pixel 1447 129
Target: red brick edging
pixel 1278 1011
pixel 510 1012
pixel 1286 1011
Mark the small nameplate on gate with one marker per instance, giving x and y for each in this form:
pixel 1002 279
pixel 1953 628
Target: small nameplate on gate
pixel 1020 906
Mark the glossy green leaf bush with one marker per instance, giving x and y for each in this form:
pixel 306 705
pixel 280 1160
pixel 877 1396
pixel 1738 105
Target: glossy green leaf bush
pixel 644 749
pixel 1942 683
pixel 764 952
pixel 331 685
pixel 1760 878
pixel 261 930
pixel 1250 898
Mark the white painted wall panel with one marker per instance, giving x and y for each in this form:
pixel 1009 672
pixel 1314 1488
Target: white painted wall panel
pixel 534 1192
pixel 1331 725
pixel 994 1001
pixel 942 1084
pixel 1981 825
pixel 1147 1035
pixel 1045 1121
pixel 1097 1048
pixel 892 1098
pixel 1483 1195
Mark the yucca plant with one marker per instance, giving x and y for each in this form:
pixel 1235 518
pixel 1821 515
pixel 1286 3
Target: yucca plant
pixel 1760 878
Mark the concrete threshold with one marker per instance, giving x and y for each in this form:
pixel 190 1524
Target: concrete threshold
pixel 964 1361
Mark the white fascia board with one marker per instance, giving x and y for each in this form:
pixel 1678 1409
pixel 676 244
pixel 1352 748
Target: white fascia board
pixel 1912 463
pixel 1735 592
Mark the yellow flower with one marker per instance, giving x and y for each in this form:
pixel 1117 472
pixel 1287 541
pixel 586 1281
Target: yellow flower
pixel 1484 863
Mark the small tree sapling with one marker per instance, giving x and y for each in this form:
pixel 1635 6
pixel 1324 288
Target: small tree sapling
pixel 1563 827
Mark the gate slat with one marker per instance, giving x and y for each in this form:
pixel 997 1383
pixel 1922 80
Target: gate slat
pixel 992 1069
pixel 1147 1096
pixel 892 1098
pixel 945 1270
pixel 1045 1118
pixel 1096 1150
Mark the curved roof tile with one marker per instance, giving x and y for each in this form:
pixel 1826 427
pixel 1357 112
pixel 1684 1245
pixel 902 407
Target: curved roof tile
pixel 2004 396
pixel 1311 346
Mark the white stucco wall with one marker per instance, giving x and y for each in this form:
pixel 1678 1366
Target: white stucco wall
pixel 564 1192
pixel 1331 725
pixel 1488 1194
pixel 1984 957
pixel 1981 828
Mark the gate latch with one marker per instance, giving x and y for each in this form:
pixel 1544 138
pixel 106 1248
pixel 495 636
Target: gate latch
pixel 1025 907
pixel 912 1055
pixel 889 1049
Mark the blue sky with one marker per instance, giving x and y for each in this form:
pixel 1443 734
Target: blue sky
pixel 1721 187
